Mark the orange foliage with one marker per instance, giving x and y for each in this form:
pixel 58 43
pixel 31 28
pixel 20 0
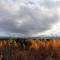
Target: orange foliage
pixel 3 43
pixel 55 43
pixel 35 44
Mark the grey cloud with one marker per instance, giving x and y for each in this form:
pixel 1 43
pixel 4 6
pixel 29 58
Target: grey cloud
pixel 49 3
pixel 33 25
pixel 38 20
pixel 37 24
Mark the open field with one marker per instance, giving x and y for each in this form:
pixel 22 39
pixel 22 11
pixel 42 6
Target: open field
pixel 30 49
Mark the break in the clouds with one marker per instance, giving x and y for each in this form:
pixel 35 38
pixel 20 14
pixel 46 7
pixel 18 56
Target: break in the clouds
pixel 28 17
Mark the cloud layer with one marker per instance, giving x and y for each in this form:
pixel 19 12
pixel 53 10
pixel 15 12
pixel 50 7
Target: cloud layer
pixel 28 16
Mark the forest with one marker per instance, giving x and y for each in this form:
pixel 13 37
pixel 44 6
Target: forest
pixel 30 49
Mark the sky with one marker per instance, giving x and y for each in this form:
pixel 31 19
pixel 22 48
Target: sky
pixel 29 17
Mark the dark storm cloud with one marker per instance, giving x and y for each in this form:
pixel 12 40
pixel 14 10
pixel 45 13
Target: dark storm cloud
pixel 35 18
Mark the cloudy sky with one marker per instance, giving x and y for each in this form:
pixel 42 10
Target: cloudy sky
pixel 29 17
